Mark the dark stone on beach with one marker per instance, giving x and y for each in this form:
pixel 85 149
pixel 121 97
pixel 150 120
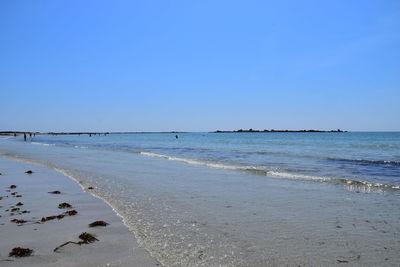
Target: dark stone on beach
pixel 90 187
pixel 19 204
pixel 56 192
pixel 20 252
pixel 64 205
pixel 98 223
pixel 71 212
pixel 29 172
pixel 13 186
pixel 14 193
pixel 87 238
pixel 18 196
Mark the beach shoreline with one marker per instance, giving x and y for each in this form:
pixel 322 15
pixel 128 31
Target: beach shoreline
pixel 117 246
pixel 191 215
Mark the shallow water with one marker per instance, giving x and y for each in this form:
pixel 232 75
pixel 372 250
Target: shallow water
pixel 194 214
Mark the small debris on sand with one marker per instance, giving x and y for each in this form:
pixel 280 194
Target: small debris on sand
pixel 55 192
pixel 98 223
pixel 19 204
pixel 90 187
pixel 29 172
pixel 12 186
pixel 14 209
pixel 18 196
pixel 64 205
pixel 20 252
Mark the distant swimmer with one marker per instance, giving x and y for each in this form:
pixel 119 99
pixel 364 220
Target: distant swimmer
pixel 15 135
pixel 25 137
pixel 30 134
pixel 176 136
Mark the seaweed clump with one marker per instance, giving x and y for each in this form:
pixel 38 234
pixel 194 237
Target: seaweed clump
pixel 59 217
pixel 98 223
pixel 48 218
pixel 85 238
pixel 56 192
pixel 64 205
pixel 13 186
pixel 29 172
pixel 19 204
pixel 71 212
pixel 20 252
pixel 90 187
pixel 18 221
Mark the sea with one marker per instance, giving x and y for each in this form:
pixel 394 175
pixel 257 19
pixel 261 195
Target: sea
pixel 241 199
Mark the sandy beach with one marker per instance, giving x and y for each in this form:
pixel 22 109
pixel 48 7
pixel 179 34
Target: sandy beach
pixel 116 245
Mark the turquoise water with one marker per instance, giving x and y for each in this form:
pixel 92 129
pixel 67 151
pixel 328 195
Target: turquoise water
pixel 281 199
pixel 372 157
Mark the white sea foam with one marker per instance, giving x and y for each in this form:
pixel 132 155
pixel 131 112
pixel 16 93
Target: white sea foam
pixel 42 144
pixel 271 172
pixel 204 163
pixel 81 147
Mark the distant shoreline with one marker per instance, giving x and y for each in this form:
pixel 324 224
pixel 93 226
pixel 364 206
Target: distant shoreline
pixel 11 133
pixel 280 131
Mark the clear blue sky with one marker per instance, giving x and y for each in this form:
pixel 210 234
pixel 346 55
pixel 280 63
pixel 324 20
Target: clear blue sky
pixel 199 65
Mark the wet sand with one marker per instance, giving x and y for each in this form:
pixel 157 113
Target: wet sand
pixel 117 246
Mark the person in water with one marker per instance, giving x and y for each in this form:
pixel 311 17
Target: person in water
pixel 25 137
